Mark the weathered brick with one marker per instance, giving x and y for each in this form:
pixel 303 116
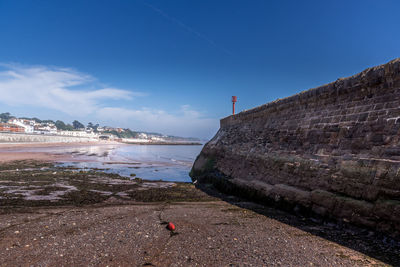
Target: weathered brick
pixel 362 117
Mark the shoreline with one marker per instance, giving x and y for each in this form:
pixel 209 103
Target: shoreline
pixel 55 144
pixel 151 162
pixel 164 143
pixel 12 151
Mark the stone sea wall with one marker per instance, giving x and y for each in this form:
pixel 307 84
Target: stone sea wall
pixel 332 150
pixel 20 137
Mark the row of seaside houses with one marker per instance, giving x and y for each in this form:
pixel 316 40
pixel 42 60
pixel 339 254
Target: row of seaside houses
pixel 15 125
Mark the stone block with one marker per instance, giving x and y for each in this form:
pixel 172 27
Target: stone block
pixel 362 117
pixel 387 209
pixel 349 207
pixel 292 194
pixel 324 199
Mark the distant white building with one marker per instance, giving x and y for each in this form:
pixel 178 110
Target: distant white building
pixel 154 138
pixel 45 129
pixel 78 134
pixel 26 124
pixel 142 136
pixel 107 136
pixel 135 140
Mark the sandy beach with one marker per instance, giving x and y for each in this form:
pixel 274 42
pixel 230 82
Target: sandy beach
pixel 17 151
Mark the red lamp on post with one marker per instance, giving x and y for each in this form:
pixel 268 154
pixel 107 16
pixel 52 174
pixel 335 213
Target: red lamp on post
pixel 234 100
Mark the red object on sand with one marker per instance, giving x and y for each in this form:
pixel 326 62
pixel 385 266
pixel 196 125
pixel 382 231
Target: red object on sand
pixel 171 226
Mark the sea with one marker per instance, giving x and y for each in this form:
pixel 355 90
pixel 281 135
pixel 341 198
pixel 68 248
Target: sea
pixel 150 162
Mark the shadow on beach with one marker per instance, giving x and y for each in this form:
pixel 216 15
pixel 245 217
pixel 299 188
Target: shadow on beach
pixel 371 243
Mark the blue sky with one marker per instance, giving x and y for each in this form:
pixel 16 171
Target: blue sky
pixel 172 66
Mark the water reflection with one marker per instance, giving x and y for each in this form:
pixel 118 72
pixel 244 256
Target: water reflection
pixel 152 162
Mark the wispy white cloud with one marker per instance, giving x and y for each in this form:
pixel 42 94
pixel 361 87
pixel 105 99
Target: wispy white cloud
pixel 66 90
pixel 53 88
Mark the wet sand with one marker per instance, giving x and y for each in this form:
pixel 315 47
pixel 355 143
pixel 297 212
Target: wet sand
pixel 48 144
pixel 20 151
pixel 41 156
pixel 171 163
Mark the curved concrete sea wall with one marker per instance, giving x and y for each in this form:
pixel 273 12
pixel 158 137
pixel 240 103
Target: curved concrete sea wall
pixel 332 150
pixel 18 138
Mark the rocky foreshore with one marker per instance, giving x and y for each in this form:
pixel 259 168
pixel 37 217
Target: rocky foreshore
pixel 57 216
